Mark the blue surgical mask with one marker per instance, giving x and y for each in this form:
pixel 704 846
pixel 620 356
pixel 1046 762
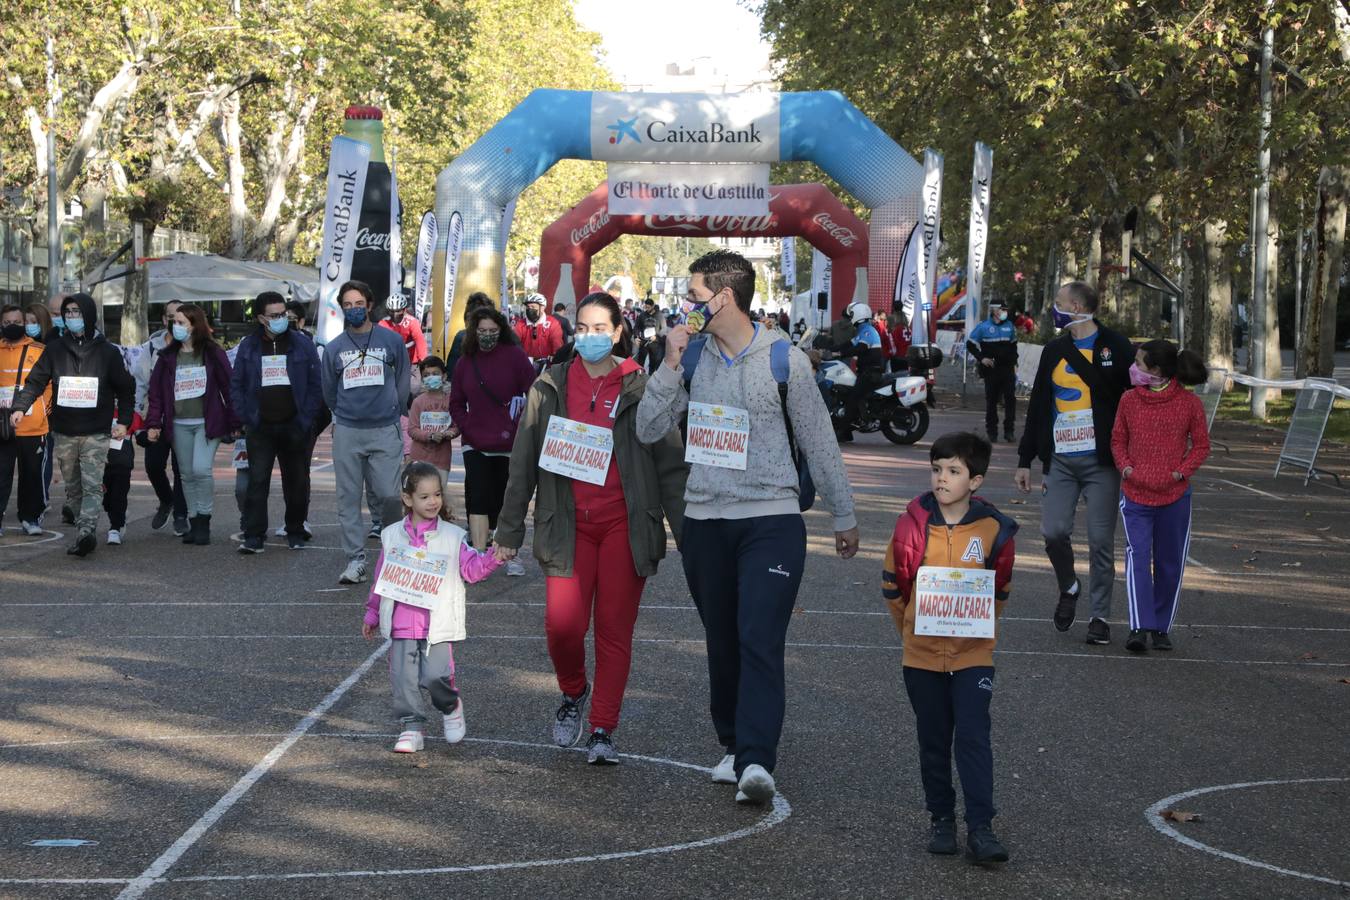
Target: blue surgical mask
pixel 1065 319
pixel 594 347
pixel 279 326
pixel 33 329
pixel 180 332
pixel 58 323
pixel 75 326
pixel 432 382
pixel 355 316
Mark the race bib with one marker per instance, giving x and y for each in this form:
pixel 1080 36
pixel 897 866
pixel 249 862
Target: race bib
pixel 189 383
pixel 116 443
pixel 954 602
pixel 7 397
pixel 1074 432
pixel 240 457
pixel 413 575
pixel 77 393
pixel 369 372
pixel 274 372
pixel 577 450
pixel 431 420
pixel 649 333
pixel 718 436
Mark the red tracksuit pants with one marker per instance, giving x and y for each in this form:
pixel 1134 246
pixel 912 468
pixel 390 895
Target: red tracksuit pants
pixel 602 547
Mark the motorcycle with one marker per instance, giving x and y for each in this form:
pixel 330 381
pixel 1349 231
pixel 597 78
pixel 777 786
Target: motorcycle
pixel 898 408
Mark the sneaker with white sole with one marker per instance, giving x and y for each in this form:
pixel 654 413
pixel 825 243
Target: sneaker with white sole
pixel 355 573
pixel 374 532
pixel 600 749
pixel 32 529
pixel 114 537
pixel 756 785
pixel 725 771
pixel 567 720
pixel 409 741
pixel 455 729
pixel 309 532
pixel 515 568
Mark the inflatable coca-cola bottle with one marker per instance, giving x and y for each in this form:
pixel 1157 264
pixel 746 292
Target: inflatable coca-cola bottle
pixel 370 262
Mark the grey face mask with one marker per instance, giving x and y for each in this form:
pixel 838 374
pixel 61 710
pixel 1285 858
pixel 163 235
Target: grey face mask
pixel 486 341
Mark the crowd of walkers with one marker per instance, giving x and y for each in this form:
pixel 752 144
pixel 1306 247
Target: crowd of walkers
pixel 615 430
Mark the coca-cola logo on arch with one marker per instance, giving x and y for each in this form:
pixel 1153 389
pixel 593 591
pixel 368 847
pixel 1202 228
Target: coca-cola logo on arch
pixel 840 233
pixel 372 240
pixel 598 220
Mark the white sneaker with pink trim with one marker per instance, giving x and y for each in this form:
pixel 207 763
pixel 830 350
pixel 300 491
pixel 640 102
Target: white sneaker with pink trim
pixel 409 742
pixel 454 724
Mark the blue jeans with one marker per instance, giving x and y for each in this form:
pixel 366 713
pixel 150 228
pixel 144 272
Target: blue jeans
pixel 196 456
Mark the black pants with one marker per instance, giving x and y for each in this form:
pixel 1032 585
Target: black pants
pixel 26 454
pixel 288 446
pixel 158 457
pixel 485 480
pixel 951 705
pixel 117 484
pixel 744 575
pixel 1000 385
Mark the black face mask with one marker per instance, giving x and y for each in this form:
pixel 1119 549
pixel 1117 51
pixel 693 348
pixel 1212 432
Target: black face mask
pixel 12 332
pixel 532 315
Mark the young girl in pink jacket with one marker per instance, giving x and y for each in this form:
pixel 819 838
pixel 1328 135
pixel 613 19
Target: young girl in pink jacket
pixel 418 603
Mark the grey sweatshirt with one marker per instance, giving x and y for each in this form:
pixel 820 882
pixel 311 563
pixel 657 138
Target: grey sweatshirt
pixel 768 486
pixel 367 406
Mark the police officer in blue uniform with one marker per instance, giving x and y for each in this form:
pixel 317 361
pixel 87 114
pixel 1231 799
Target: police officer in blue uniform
pixel 865 346
pixel 993 343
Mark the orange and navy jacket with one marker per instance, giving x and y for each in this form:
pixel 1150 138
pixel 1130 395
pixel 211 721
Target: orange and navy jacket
pixel 29 351
pixel 982 540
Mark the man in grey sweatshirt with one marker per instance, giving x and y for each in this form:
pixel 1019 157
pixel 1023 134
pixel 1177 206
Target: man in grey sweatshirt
pixel 744 541
pixel 365 383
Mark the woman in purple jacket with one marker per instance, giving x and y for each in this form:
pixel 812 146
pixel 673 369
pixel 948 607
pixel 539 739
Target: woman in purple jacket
pixel 190 399
pixel 487 394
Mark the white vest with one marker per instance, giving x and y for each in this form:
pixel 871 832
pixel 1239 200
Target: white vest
pixel 447 619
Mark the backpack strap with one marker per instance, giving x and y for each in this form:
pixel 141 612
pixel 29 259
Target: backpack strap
pixel 690 357
pixel 781 366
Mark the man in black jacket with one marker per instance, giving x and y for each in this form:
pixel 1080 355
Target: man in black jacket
pixel 90 385
pixel 1082 375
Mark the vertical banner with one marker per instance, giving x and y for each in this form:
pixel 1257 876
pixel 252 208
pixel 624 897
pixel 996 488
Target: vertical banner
pixel 347 164
pixel 454 242
pixel 982 175
pixel 932 217
pixel 395 232
pixel 821 276
pixel 913 294
pixel 790 262
pixel 426 247
pixel 508 215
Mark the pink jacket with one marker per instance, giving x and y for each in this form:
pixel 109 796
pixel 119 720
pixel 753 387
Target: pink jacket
pixel 420 446
pixel 411 622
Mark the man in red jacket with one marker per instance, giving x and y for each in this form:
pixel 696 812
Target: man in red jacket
pixel 406 327
pixel 540 334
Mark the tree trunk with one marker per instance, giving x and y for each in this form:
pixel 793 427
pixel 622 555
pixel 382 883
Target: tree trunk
pixel 1093 275
pixel 135 304
pixel 1194 285
pixel 229 135
pixel 1274 361
pixel 1328 260
pixel 1218 277
pixel 1068 266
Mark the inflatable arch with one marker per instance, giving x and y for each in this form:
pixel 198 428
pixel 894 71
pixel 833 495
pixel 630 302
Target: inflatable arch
pixel 809 211
pixel 549 125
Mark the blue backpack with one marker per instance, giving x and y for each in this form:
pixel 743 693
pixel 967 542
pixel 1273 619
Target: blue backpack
pixel 781 368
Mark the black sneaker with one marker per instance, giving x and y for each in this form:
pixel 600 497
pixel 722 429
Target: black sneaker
pixel 1065 608
pixel 295 541
pixel 1137 642
pixel 161 516
pixel 1161 641
pixel 374 532
pixel 984 848
pixel 181 526
pixel 600 749
pixel 67 516
pixel 251 545
pixel 84 544
pixel 942 837
pixel 1098 632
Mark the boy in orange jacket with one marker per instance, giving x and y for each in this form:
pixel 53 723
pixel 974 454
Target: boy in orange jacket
pixel 948 572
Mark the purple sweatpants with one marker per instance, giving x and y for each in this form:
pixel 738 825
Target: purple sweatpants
pixel 1157 539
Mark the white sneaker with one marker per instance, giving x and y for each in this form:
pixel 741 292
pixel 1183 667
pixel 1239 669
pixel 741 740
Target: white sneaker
pixel 114 537
pixel 515 568
pixel 725 771
pixel 355 573
pixel 756 785
pixel 32 529
pixel 454 724
pixel 409 742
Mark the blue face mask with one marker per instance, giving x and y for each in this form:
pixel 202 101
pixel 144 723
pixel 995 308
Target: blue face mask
pixel 355 316
pixel 180 332
pixel 594 347
pixel 432 382
pixel 1065 319
pixel 32 329
pixel 58 323
pixel 278 326
pixel 75 326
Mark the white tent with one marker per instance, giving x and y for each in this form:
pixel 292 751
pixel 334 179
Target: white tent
pixel 202 278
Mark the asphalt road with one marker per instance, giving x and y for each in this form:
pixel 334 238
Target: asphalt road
pixel 219 728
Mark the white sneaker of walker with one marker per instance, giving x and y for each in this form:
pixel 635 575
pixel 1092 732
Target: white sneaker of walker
pixel 455 727
pixel 409 742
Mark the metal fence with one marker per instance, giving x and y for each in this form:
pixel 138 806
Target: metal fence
pixel 1312 409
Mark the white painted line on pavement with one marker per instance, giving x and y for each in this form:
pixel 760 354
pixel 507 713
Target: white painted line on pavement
pixel 1250 488
pixel 55 536
pixel 1195 562
pixel 156 869
pixel 1153 815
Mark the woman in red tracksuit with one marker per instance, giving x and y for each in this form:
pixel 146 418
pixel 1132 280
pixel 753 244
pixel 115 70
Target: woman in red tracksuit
pixel 583 528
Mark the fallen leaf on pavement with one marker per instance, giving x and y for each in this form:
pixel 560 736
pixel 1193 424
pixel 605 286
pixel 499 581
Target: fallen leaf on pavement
pixel 1308 656
pixel 798 610
pixel 1176 815
pixel 1345 681
pixel 1018 502
pixel 422 764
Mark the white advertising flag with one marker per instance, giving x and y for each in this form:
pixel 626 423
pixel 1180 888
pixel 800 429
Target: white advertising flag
pixel 426 248
pixel 979 232
pixel 395 233
pixel 347 164
pixel 821 272
pixel 790 262
pixel 912 293
pixel 932 212
pixel 688 189
pixel 454 242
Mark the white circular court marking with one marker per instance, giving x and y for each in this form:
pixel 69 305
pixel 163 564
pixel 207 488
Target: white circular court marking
pixel 777 814
pixel 1154 817
pixel 54 536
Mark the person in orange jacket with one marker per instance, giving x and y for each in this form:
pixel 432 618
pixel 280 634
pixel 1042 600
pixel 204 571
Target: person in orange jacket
pixel 19 352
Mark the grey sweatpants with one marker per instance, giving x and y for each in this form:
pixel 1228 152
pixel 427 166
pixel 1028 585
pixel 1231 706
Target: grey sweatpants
pixel 1070 477
pixel 364 457
pixel 415 666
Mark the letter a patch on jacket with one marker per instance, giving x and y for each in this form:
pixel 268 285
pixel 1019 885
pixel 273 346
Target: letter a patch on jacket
pixel 974 551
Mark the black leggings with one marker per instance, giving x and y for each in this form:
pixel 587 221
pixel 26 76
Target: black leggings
pixel 485 480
